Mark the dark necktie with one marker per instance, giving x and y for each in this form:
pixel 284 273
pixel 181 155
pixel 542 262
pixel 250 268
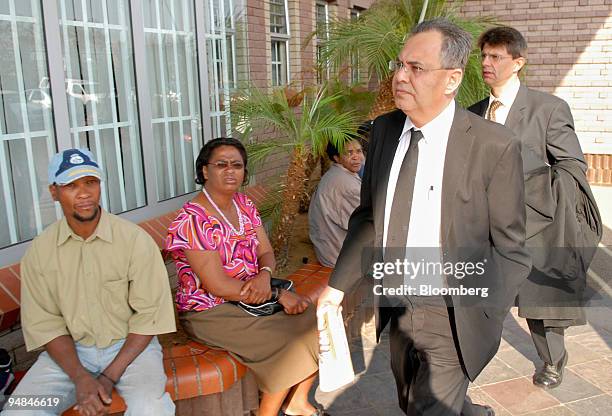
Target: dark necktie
pixel 399 217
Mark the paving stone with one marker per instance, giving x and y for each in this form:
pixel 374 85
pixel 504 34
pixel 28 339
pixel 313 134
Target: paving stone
pixel 524 365
pixel 370 411
pixel 368 362
pixel 347 399
pixel 495 372
pixel 478 396
pixel 574 388
pixel 579 353
pixel 389 411
pixel 379 390
pixel 598 372
pixel 594 406
pixel 520 396
pixel 599 342
pixel 553 411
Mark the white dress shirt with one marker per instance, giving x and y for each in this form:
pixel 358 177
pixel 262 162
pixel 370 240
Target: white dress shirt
pixel 426 211
pixel 506 98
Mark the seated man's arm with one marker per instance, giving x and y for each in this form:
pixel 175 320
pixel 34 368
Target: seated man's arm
pixel 44 325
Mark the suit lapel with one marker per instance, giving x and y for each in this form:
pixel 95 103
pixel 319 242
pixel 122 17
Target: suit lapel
pixel 515 115
pixel 455 163
pixel 389 146
pixel 484 105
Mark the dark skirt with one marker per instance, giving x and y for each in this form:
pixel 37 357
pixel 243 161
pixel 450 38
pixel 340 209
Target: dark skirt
pixel 281 350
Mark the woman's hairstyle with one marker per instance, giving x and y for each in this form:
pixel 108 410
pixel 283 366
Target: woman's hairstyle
pixel 207 151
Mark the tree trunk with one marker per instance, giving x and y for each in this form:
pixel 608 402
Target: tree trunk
pixel 294 185
pixel 384 102
pixel 311 164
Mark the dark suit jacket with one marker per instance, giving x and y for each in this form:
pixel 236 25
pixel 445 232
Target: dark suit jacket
pixel 544 125
pixel 482 209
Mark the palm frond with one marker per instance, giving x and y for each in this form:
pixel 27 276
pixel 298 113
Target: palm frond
pixel 378 34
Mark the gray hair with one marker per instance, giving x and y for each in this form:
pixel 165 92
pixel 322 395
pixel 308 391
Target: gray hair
pixel 456 42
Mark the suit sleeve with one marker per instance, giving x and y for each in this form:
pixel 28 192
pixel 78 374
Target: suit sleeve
pixel 561 141
pixel 359 241
pixel 507 217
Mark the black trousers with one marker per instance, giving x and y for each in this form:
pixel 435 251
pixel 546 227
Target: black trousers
pixel 425 363
pixel 548 340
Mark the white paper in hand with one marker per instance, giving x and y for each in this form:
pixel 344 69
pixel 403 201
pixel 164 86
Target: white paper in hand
pixel 335 365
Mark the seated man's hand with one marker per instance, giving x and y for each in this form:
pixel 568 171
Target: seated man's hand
pixel 92 397
pixel 257 290
pixel 293 303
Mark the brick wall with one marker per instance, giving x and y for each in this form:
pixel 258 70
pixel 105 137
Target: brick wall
pixel 569 55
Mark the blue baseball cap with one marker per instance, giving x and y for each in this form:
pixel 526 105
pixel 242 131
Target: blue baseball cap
pixel 73 164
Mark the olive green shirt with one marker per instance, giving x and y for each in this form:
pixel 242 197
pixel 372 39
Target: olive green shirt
pixel 96 290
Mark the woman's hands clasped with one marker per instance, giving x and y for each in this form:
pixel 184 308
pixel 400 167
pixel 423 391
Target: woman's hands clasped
pixel 257 290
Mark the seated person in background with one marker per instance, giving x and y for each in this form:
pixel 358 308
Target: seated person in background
pixel 334 201
pixel 222 254
pixel 94 293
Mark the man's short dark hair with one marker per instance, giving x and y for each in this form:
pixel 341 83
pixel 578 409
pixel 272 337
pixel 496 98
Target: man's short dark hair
pixel 456 42
pixel 506 36
pixel 207 151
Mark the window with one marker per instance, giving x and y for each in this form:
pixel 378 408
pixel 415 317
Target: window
pixel 355 68
pixel 221 47
pixel 171 58
pixel 26 124
pixel 322 22
pixel 101 95
pixel 279 29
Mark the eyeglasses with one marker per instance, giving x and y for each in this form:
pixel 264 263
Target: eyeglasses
pixel 224 164
pixel 493 57
pixel 414 69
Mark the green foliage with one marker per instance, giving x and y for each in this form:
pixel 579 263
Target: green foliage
pixel 378 34
pixel 309 127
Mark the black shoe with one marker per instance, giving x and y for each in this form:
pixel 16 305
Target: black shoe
pixel 550 376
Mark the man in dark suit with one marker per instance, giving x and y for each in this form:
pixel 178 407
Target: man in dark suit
pixel 436 177
pixel 544 125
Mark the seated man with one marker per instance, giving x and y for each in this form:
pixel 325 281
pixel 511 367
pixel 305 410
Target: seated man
pixel 94 294
pixel 334 201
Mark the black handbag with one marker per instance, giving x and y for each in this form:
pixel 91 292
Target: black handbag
pixel 270 307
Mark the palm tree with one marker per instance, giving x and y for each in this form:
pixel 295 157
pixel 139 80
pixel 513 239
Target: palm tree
pixel 303 131
pixel 377 37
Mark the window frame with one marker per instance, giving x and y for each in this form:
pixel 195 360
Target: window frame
pixel 280 38
pixel 52 33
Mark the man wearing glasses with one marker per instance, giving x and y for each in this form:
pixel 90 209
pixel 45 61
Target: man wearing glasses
pixel 545 127
pixel 441 181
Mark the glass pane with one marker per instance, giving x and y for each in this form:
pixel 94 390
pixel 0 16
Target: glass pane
pixel 101 94
pixel 278 21
pixel 174 86
pixel 27 134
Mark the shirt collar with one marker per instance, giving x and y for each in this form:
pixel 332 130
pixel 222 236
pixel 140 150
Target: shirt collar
pixel 339 166
pixel 103 230
pixel 438 126
pixel 509 93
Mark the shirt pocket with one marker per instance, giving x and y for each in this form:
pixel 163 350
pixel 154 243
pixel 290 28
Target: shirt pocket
pixel 114 296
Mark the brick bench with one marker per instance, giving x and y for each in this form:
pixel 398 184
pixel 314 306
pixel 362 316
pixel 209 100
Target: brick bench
pixel 198 377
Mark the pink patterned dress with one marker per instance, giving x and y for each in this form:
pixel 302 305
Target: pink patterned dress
pixel 197 229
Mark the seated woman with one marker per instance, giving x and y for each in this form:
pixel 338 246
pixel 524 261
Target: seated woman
pixel 222 254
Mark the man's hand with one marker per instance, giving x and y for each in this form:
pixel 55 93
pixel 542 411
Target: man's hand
pixel 329 301
pixel 107 384
pixel 293 303
pixel 257 290
pixel 91 395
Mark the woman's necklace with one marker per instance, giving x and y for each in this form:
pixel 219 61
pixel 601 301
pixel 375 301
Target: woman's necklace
pixel 229 224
